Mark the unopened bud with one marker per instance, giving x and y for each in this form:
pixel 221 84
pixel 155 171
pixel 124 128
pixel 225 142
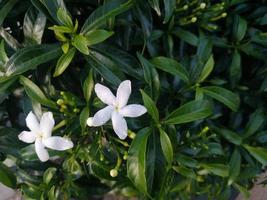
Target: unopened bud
pixel 193 19
pixel 60 101
pixel 113 173
pixel 224 14
pixel 202 5
pixel 185 7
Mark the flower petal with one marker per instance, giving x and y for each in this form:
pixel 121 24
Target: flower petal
pixel 101 117
pixel 58 143
pixel 32 122
pixel 104 94
pixel 27 136
pixel 119 125
pixel 47 124
pixel 133 110
pixel 41 151
pixel 123 93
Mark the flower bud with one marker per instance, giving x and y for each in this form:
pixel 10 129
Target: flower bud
pixel 193 19
pixel 224 14
pixel 202 5
pixel 185 7
pixel 113 173
pixel 60 101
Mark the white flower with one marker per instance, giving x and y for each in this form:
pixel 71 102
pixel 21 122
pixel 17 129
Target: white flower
pixel 116 109
pixel 40 134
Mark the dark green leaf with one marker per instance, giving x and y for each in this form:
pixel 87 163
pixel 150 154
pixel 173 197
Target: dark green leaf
pixel 208 67
pixel 171 66
pixel 169 7
pixel 151 106
pixel 6 9
pixel 189 173
pixel 235 166
pixel 229 135
pixel 186 36
pixel 240 28
pixel 88 86
pixel 255 122
pixel 191 111
pixel 136 162
pixel 217 169
pixel 259 153
pixel 235 68
pixel 166 146
pixel 223 95
pixel 97 36
pixel 7 177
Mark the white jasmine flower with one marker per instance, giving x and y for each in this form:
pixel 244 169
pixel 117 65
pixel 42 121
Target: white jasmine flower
pixel 40 135
pixel 116 109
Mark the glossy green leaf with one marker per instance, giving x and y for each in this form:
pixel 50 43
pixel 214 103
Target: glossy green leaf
pixel 35 93
pixel 171 66
pixel 5 9
pixel 150 106
pixel 231 136
pixel 30 57
pixel 235 68
pixel 155 5
pixel 64 17
pixel 186 36
pixel 223 95
pixel 191 111
pixel 83 117
pixel 259 153
pixel 185 160
pixel 217 169
pixel 33 26
pixel 3 55
pixel 64 61
pixel 169 8
pixel 88 86
pixel 239 28
pixel 100 16
pixel 255 122
pixel 7 177
pixel 136 161
pixel 208 67
pixel 97 36
pixel 235 166
pixel 166 146
pixel 189 173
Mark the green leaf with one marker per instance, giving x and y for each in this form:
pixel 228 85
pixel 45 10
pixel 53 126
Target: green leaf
pixel 206 70
pixel 186 36
pixel 48 175
pixel 235 68
pixel 166 146
pixel 33 26
pixel 35 93
pixel 259 153
pixel 186 160
pixel 217 169
pixel 64 17
pixel 7 177
pixel 223 95
pixel 169 7
pixel 97 36
pixel 244 191
pixel 136 161
pixel 102 14
pixel 30 57
pixel 231 136
pixel 83 117
pixel 155 5
pixel 255 122
pixel 88 86
pixel 170 66
pixel 64 61
pixel 189 173
pixel 5 9
pixel 151 106
pixel 80 42
pixel 235 166
pixel 3 56
pixel 239 28
pixel 191 111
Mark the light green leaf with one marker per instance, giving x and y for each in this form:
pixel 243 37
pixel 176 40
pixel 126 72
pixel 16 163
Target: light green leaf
pixel 48 175
pixel 150 106
pixel 97 36
pixel 64 17
pixel 171 66
pixel 136 161
pixel 35 93
pixel 191 111
pixel 3 56
pixel 166 146
pixel 100 16
pixel 83 117
pixel 223 95
pixel 80 42
pixel 206 70
pixel 217 169
pixel 64 61
pixel 235 166
pixel 189 173
pixel 259 153
pixel 88 86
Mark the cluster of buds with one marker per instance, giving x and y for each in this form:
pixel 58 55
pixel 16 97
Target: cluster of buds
pixel 67 103
pixel 188 13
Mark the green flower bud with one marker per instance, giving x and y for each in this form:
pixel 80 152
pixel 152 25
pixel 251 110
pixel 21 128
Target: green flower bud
pixel 60 102
pixel 193 19
pixel 202 5
pixel 224 14
pixel 185 7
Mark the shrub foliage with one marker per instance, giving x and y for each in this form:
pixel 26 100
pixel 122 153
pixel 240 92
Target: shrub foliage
pixel 197 66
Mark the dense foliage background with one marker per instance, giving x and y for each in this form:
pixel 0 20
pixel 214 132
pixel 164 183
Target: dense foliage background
pixel 201 65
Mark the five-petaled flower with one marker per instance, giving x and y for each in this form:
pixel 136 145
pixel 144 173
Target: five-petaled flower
pixel 116 108
pixel 40 134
